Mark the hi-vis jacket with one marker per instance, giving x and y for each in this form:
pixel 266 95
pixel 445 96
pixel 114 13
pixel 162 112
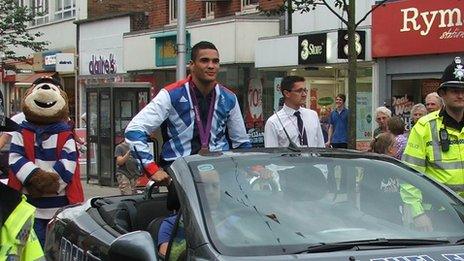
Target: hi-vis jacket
pixel 424 153
pixel 17 238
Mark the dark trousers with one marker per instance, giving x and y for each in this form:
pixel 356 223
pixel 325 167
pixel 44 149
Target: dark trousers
pixel 340 145
pixel 40 228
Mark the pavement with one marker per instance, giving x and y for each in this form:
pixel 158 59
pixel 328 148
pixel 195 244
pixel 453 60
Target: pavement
pixel 92 189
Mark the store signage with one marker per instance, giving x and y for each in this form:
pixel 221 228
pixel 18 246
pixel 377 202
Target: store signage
pixel 49 60
pixel 418 27
pixel 312 48
pixel 324 101
pixel 24 71
pixel 359 40
pixel 9 75
pixel 65 62
pixel 166 49
pixel 363 116
pixel 254 120
pixel 102 65
pixel 402 106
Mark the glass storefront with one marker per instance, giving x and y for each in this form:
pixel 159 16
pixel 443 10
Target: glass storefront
pixel 407 92
pixel 324 83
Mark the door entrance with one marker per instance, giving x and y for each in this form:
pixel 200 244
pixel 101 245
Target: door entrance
pixel 109 109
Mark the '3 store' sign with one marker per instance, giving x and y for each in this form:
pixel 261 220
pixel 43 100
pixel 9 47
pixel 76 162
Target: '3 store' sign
pixel 312 48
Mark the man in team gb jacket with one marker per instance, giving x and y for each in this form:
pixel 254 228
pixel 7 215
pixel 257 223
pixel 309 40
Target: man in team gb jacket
pixel 193 115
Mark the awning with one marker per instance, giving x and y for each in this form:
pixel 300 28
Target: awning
pixel 27 80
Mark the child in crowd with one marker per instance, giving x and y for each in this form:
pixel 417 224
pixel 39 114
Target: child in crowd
pixel 396 126
pixel 384 143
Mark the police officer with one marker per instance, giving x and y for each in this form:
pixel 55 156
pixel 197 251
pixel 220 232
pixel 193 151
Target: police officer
pixel 17 237
pixel 436 143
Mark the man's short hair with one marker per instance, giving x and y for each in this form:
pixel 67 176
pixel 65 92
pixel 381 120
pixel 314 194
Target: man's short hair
pixel 383 110
pixel 418 107
pixel 201 46
pixel 341 96
pixel 288 82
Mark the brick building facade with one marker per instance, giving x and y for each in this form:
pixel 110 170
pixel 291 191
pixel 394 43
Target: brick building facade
pixel 158 11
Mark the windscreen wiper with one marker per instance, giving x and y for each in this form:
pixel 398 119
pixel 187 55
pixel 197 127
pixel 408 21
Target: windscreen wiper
pixel 381 242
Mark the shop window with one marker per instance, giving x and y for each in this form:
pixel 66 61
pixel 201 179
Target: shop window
pixel 209 7
pixel 172 11
pixel 249 5
pixel 65 9
pixel 40 10
pixel 406 93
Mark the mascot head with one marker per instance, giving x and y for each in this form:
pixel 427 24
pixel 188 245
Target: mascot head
pixel 45 102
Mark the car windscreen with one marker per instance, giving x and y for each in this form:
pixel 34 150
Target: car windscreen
pixel 277 204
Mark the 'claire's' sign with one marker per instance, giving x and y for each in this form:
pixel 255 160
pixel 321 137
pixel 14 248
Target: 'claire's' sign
pixel 418 27
pixel 102 65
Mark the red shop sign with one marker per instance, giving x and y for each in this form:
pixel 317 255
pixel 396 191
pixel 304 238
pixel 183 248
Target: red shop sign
pixel 418 27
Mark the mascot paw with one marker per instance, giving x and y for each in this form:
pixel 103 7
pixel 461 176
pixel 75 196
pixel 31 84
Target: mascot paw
pixel 43 182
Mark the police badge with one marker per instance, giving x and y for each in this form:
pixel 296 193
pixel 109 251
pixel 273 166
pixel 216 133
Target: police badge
pixel 459 70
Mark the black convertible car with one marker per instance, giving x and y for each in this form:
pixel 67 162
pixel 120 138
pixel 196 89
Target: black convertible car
pixel 275 204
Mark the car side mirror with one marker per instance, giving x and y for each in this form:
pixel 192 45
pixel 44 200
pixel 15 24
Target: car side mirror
pixel 137 245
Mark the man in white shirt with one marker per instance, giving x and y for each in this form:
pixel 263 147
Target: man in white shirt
pixel 301 124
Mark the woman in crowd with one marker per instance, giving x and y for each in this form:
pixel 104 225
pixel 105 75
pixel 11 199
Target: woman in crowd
pixel 417 111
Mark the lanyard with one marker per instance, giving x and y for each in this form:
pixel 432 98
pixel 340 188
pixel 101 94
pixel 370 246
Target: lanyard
pixel 203 131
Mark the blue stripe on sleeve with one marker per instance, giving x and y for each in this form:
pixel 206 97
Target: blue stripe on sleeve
pixel 18 164
pixel 72 156
pixel 45 154
pixel 14 148
pixel 65 175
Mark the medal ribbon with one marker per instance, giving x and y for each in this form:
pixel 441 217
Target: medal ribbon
pixel 203 131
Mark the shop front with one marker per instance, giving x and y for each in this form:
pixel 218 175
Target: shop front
pixel 57 63
pixel 13 94
pixel 413 48
pixel 321 58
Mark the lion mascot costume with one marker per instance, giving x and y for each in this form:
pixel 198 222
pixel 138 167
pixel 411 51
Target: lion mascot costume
pixel 43 158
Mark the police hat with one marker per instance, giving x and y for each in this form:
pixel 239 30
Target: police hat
pixel 5 123
pixel 453 76
pixel 47 79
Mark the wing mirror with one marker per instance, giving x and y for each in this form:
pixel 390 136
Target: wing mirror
pixel 133 246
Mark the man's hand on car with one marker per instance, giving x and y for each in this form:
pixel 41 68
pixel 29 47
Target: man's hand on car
pixel 161 178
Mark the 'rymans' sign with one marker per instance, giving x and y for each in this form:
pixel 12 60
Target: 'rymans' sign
pixel 418 27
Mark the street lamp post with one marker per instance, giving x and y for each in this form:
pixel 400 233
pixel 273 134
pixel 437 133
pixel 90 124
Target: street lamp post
pixel 181 40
